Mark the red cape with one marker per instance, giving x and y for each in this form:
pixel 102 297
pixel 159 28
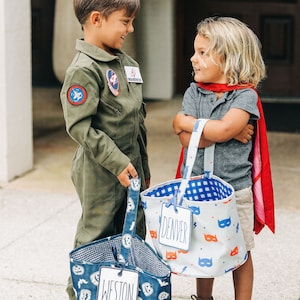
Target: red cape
pixel 263 196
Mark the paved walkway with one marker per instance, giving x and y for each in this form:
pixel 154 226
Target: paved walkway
pixel 39 212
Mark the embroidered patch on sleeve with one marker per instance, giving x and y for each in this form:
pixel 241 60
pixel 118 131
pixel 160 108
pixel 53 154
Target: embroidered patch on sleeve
pixel 77 95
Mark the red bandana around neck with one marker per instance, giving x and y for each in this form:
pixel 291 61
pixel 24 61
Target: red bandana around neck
pixel 223 87
pixel 263 195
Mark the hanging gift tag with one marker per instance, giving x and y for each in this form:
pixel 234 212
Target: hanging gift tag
pixel 175 227
pixel 115 283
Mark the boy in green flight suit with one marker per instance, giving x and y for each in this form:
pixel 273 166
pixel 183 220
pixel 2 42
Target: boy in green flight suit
pixel 104 113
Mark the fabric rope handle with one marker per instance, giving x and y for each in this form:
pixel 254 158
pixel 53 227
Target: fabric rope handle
pixel 190 158
pixel 130 219
pixel 209 160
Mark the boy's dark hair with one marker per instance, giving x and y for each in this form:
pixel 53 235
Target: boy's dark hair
pixel 83 8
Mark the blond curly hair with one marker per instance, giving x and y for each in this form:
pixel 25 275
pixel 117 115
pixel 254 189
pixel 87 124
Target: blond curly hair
pixel 238 48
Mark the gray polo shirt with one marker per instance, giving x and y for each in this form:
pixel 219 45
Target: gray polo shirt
pixel 231 161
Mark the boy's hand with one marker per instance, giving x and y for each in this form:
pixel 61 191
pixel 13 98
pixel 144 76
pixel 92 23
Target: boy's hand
pixel 124 176
pixel 246 134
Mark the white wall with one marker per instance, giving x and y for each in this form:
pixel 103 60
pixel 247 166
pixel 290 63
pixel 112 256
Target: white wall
pixel 66 30
pixel 156 48
pixel 16 150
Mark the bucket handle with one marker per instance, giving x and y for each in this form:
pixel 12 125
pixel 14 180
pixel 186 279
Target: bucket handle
pixel 190 160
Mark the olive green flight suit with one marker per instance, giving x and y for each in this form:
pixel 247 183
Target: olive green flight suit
pixel 104 114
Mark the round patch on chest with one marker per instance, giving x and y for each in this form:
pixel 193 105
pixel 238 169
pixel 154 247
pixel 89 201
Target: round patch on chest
pixel 113 82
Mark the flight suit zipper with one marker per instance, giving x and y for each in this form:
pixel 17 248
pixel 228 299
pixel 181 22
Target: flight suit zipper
pixel 116 110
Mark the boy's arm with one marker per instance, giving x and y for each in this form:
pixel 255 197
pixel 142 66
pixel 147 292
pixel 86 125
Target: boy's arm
pixel 184 138
pixel 183 126
pixel 230 126
pixel 78 120
pixel 233 125
pixel 182 122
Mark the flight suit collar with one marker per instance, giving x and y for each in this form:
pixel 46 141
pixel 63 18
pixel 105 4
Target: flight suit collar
pixel 95 52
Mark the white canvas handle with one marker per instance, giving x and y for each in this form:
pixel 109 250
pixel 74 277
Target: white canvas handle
pixel 191 156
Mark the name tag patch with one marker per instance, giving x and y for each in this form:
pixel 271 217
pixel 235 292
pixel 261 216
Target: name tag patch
pixel 133 74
